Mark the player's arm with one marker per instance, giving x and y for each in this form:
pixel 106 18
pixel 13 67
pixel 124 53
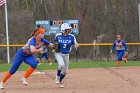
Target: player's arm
pixel 113 46
pixel 56 45
pixel 125 56
pixel 76 45
pixel 125 46
pixel 33 48
pixel 51 45
pixel 46 42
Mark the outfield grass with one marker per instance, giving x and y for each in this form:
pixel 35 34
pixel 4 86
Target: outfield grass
pixel 73 65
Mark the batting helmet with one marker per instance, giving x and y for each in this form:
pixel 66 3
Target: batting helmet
pixel 65 26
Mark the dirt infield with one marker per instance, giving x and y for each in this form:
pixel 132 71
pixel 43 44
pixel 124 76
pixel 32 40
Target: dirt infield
pixel 95 80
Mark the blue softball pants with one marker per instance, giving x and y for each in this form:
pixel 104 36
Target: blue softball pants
pixel 19 58
pixel 44 54
pixel 120 54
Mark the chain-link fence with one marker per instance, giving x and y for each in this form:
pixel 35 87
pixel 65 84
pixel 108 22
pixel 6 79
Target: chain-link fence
pixel 95 53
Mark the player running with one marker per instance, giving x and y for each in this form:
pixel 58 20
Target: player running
pixel 34 45
pixel 42 55
pixel 122 51
pixel 63 44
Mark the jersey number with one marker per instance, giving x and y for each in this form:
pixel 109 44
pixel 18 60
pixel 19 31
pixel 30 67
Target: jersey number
pixel 64 45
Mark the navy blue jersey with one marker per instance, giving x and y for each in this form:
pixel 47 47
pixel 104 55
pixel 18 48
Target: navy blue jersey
pixel 65 42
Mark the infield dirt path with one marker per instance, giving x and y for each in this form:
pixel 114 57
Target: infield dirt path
pixel 94 80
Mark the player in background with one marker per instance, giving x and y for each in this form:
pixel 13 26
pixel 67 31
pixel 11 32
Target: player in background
pixel 122 51
pixel 63 44
pixel 42 55
pixel 34 45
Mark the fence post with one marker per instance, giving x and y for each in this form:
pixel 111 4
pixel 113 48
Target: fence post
pixel 108 54
pixel 137 52
pixel 16 48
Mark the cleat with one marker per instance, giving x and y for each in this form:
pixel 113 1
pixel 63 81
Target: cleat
pixel 61 85
pixel 38 60
pixel 50 61
pixel 57 79
pixel 117 66
pixel 1 85
pixel 126 61
pixel 23 80
pixel 39 63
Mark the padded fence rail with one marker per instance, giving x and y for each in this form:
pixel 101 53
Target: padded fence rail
pixel 86 44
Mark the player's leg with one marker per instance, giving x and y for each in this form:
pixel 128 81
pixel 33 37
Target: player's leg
pixel 40 58
pixel 33 64
pixel 121 55
pixel 60 62
pixel 118 62
pixel 46 55
pixel 124 57
pixel 15 65
pixel 48 58
pixel 64 71
pixel 119 58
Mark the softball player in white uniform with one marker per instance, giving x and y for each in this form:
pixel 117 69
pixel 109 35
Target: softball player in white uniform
pixel 64 41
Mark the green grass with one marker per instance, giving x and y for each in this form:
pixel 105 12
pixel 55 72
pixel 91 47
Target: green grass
pixel 73 65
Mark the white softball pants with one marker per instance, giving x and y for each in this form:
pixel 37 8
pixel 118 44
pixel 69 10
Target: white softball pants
pixel 63 61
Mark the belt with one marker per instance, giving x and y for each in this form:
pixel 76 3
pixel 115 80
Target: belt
pixel 64 53
pixel 24 51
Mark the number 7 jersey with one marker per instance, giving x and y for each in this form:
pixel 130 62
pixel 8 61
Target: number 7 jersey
pixel 65 42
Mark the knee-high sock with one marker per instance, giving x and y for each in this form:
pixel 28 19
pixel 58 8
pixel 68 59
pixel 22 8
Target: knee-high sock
pixel 28 72
pixel 118 63
pixel 6 77
pixel 40 61
pixel 62 77
pixel 58 72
